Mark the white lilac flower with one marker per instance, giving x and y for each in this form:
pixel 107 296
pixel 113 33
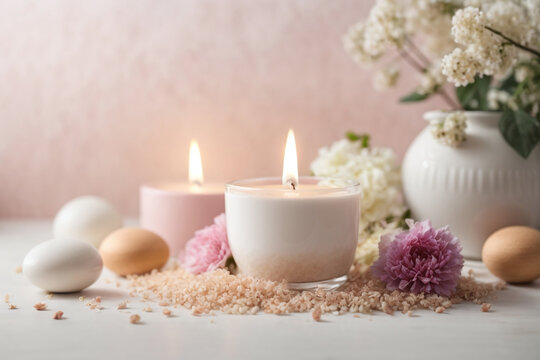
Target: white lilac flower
pixel 484 52
pixel 431 80
pixel 385 78
pixel 508 17
pixel 533 12
pixel 468 26
pixel 353 42
pixel 451 130
pixel 367 250
pixel 432 20
pixel 377 171
pixel 522 73
pixel 460 67
pixel 497 98
pixel 383 29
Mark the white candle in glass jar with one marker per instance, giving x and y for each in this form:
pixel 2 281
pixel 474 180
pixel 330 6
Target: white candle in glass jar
pixel 303 230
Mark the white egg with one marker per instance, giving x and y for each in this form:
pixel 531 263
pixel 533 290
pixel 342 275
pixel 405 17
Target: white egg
pixel 86 218
pixel 62 265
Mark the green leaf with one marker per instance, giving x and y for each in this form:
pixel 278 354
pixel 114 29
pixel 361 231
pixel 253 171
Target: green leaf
pixel 364 138
pixel 448 7
pixel 509 83
pixel 352 136
pixel 406 215
pixel 520 130
pixel 474 95
pixel 413 97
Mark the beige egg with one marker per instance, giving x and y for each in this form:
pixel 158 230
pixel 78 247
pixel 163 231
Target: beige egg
pixel 130 251
pixel 513 254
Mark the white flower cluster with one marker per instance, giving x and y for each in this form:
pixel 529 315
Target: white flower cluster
pixel 484 51
pixel 497 98
pixel 383 29
pixel 375 168
pixel 367 251
pixel 481 50
pixel 431 80
pixel 385 78
pixel 432 21
pixel 451 130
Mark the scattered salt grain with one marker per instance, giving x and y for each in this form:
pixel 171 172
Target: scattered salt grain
pixel 122 305
pixel 6 298
pixel 58 315
pixel 237 294
pixel 198 311
pixel 94 303
pixel 18 269
pixel 49 296
pixel 148 309
pixel 167 312
pixel 486 307
pixel 135 318
pixel 81 298
pixel 40 306
pixel 316 314
pixel 11 306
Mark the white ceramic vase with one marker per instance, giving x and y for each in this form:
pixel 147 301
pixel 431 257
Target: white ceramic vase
pixel 476 188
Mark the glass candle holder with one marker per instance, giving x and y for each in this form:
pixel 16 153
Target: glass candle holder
pixel 306 235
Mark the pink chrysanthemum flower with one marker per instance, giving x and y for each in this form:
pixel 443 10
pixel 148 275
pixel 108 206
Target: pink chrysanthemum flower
pixel 421 259
pixel 209 249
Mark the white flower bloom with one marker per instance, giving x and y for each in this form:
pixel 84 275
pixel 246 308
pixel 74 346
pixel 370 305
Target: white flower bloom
pixel 353 42
pixel 468 26
pixel 451 130
pixel 485 52
pixel 384 29
pixel 367 251
pixel 460 67
pixel 385 78
pixel 523 73
pixel 533 13
pixel 508 17
pixel 431 80
pixel 375 168
pixel 496 98
pixel 432 21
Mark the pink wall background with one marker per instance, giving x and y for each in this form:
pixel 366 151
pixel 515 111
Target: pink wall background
pixel 97 97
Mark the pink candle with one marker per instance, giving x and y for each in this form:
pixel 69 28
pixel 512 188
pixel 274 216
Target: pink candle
pixel 176 210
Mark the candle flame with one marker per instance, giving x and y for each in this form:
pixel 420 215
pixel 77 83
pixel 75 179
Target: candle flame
pixel 195 164
pixel 290 162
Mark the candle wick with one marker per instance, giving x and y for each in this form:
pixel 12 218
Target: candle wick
pixel 293 186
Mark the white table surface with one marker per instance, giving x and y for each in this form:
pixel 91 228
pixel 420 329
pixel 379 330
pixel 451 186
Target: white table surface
pixel 510 331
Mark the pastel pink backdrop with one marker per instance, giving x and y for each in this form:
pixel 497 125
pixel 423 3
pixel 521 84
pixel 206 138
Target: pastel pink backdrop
pixel 100 96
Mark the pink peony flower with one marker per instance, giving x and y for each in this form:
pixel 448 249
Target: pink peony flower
pixel 209 249
pixel 421 259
